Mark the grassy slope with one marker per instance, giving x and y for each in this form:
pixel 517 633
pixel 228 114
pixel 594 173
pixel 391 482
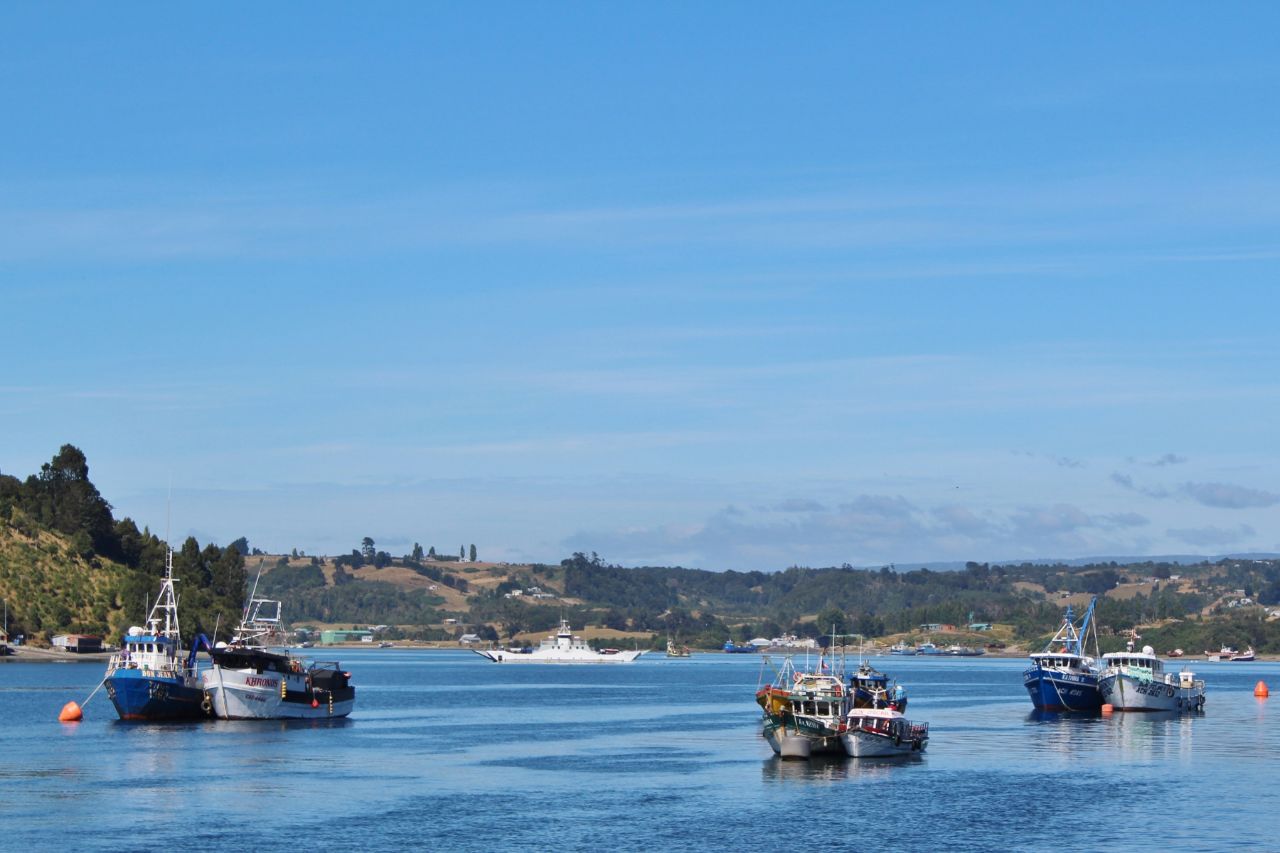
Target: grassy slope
pixel 50 589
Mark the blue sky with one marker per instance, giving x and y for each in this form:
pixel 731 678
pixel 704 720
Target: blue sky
pixel 723 285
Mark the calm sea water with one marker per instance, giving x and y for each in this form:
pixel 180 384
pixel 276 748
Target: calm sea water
pixel 448 752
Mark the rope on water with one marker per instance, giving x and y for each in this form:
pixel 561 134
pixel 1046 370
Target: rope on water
pixel 95 690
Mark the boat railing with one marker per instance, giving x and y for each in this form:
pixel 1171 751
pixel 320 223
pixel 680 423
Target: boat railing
pixel 145 665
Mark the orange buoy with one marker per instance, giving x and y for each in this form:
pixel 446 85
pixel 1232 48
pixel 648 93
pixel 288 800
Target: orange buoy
pixel 70 713
pixel 1108 708
pixel 1261 691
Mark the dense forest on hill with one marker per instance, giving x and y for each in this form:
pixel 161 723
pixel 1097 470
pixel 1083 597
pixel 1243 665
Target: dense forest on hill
pixel 67 564
pixel 677 601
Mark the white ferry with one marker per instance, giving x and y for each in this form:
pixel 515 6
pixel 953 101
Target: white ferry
pixel 560 647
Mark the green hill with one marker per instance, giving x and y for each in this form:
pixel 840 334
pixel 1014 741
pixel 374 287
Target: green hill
pixel 66 564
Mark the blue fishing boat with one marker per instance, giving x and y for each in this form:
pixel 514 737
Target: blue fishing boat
pixel 734 649
pixel 871 688
pixel 148 679
pixel 1063 677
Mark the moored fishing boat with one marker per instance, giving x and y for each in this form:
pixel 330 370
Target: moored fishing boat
pixel 1137 681
pixel 560 647
pixel 149 679
pixel 928 648
pixel 804 712
pixel 871 688
pixel 255 678
pixel 674 651
pixel 958 651
pixel 734 649
pixel 1228 653
pixel 1063 677
pixel 814 712
pixel 901 648
pixel 882 733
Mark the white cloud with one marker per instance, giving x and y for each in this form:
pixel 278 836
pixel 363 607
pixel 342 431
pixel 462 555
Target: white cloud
pixel 1228 496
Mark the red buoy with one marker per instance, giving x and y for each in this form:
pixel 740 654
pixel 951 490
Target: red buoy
pixel 1261 691
pixel 70 713
pixel 1108 708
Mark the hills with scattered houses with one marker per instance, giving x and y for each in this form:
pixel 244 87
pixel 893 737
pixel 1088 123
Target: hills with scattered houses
pixel 68 565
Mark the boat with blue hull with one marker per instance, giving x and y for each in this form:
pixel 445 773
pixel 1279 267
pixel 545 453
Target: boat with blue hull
pixel 1063 677
pixel 149 678
pixel 734 649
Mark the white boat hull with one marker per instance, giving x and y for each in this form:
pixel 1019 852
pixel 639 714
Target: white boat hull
pixel 864 745
pixel 556 656
pixel 792 744
pixel 1129 693
pixel 240 695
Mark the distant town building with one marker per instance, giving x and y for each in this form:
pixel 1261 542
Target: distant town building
pixel 80 643
pixel 329 638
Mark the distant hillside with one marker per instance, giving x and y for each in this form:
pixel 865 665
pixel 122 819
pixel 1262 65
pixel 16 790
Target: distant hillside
pixel 66 564
pixel 1129 560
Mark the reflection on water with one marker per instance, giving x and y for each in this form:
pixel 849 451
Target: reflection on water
pixel 829 768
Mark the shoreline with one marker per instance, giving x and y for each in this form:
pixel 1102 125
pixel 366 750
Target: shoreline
pixel 30 654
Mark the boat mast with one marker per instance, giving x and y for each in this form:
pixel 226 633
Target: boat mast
pixel 1085 625
pixel 166 606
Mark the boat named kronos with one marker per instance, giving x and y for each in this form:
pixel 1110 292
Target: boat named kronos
pixel 560 647
pixel 252 678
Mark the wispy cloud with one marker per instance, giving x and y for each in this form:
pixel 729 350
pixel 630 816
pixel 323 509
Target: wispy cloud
pixel 1227 496
pixel 1126 481
pixel 1110 215
pixel 868 529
